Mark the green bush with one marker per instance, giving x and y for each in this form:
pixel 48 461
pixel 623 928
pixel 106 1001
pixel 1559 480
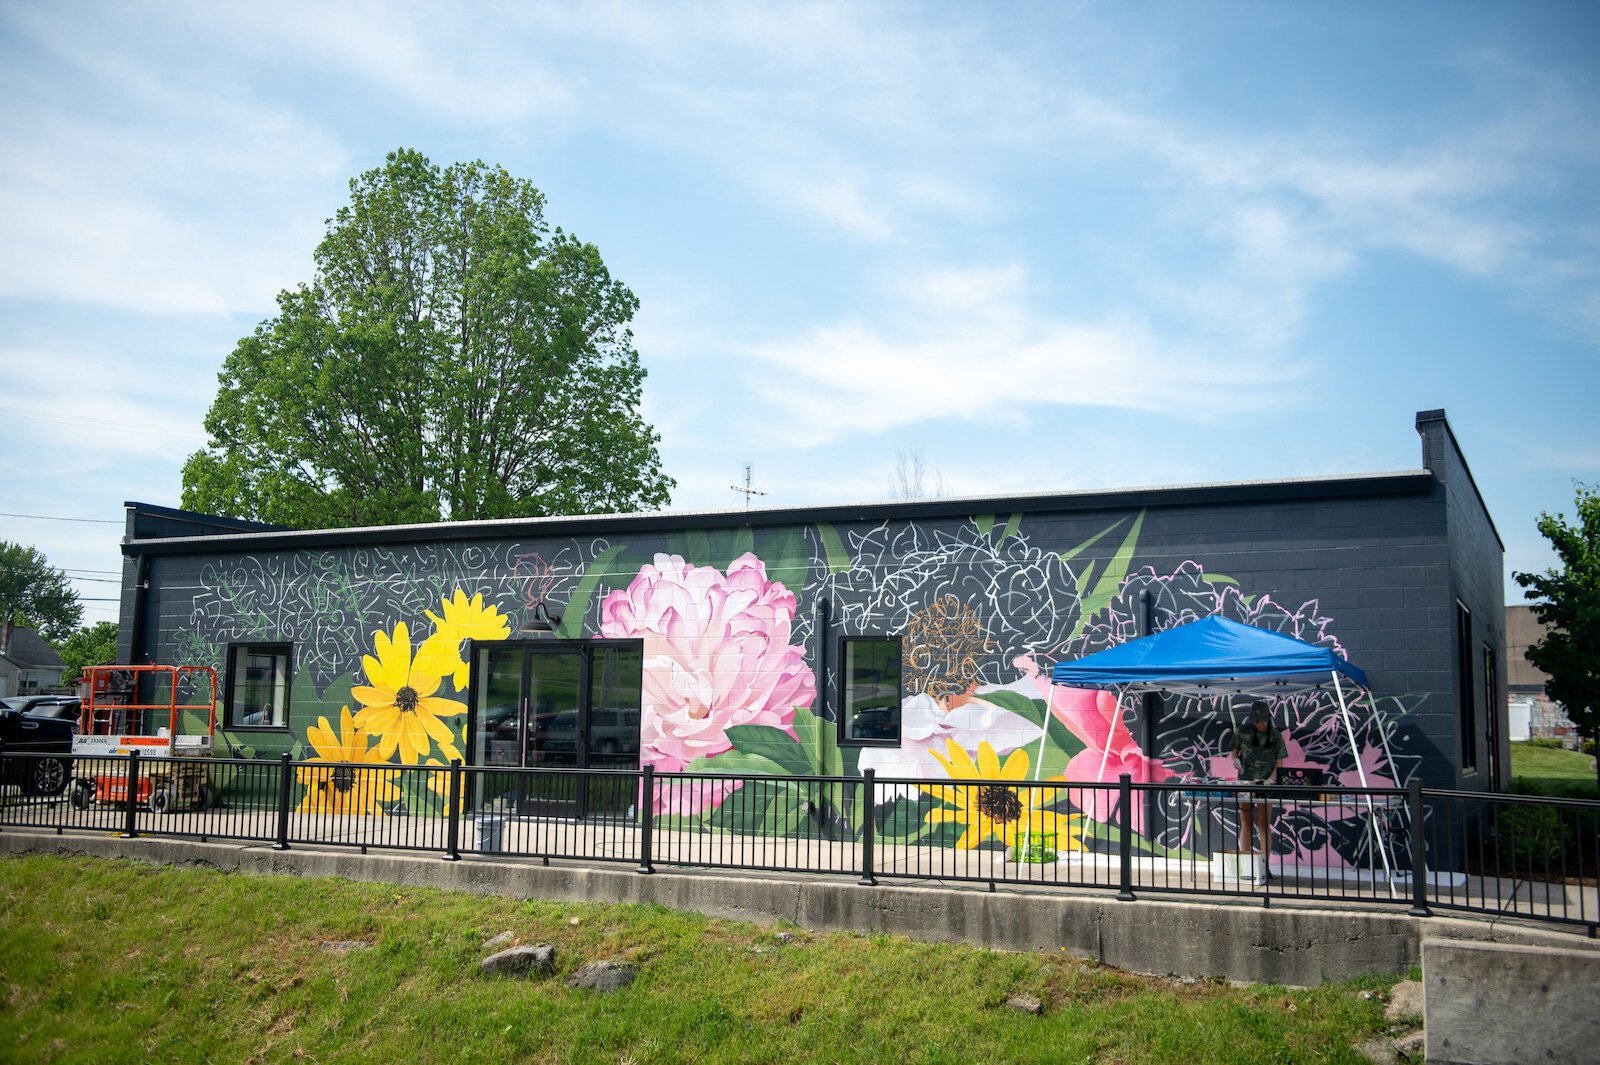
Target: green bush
pixel 1534 837
pixel 1547 742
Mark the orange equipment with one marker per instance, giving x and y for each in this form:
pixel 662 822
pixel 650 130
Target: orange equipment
pixel 113 722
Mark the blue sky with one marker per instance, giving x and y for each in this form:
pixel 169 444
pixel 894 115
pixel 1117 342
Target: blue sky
pixel 1045 247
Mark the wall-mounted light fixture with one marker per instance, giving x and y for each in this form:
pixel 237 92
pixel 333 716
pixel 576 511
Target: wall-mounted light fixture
pixel 542 623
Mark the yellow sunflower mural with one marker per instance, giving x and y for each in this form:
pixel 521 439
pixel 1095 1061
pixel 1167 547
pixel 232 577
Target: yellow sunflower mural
pixel 464 619
pixel 992 810
pixel 344 788
pixel 439 779
pixel 398 704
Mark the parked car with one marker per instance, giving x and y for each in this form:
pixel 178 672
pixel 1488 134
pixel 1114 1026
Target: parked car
pixel 64 707
pixel 26 733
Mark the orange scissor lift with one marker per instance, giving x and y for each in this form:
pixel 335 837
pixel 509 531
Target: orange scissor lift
pixel 113 722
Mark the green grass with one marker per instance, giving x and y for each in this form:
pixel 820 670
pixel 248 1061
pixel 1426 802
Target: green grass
pixel 1543 770
pixel 108 961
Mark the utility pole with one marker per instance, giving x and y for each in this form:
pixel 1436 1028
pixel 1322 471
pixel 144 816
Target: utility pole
pixel 747 491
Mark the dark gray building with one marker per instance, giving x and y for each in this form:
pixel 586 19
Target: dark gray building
pixel 915 638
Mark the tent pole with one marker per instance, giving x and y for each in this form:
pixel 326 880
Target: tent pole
pixel 1038 766
pixel 1361 774
pixel 1105 749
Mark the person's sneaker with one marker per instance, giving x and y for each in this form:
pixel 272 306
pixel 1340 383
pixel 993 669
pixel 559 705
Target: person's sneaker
pixel 1263 876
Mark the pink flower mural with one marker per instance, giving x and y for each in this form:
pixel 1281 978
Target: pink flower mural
pixel 717 653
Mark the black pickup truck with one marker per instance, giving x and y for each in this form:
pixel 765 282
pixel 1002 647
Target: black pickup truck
pixel 23 733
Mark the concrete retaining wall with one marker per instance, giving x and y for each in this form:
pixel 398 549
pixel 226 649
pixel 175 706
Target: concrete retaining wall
pixel 1504 1004
pixel 1285 944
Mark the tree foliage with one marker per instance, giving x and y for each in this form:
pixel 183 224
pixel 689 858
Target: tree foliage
pixel 34 593
pixel 1567 603
pixel 452 358
pixel 87 647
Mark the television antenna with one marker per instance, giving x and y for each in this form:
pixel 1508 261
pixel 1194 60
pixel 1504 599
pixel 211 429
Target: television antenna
pixel 747 491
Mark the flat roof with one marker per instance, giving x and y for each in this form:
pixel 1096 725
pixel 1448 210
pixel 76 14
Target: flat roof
pixel 1394 483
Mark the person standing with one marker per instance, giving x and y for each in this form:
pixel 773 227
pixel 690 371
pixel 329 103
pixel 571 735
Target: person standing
pixel 1258 751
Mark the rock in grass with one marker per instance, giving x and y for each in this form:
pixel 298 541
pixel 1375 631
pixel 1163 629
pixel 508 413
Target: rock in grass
pixel 1025 1004
pixel 521 961
pixel 1405 1001
pixel 498 941
pixel 345 946
pixel 604 975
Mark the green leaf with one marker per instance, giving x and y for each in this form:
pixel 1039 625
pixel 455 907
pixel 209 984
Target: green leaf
pixel 1068 556
pixel 819 737
pixel 737 763
pixel 985 523
pixel 838 557
pixel 1059 742
pixel 1218 578
pixel 1012 526
pixel 787 558
pixel 571 627
pixel 1116 571
pixel 773 744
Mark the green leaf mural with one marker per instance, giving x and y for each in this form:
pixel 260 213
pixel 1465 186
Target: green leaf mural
pixel 578 605
pixel 1059 744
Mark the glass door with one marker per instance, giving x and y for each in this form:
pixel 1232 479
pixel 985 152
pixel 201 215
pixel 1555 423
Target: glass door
pixel 560 706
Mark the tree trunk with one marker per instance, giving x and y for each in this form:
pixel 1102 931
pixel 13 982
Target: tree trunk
pixel 5 636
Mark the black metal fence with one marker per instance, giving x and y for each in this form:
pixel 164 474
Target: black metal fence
pixel 1418 849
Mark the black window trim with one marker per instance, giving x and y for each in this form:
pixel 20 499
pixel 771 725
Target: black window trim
pixel 843 693
pixel 286 647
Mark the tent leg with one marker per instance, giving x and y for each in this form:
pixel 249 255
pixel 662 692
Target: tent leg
pixel 1361 774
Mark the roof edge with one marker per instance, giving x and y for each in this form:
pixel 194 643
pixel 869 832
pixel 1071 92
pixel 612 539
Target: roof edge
pixel 1400 482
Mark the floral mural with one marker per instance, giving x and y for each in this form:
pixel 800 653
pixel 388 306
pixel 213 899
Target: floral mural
pixel 717 654
pixel 983 608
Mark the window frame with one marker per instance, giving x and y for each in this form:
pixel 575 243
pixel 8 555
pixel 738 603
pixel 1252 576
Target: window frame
pixel 1467 682
pixel 274 647
pixel 843 692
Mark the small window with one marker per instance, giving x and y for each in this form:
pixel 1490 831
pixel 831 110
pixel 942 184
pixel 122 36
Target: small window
pixel 258 685
pixel 871 703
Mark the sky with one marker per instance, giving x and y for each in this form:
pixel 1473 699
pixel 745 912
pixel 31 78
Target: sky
pixel 1040 247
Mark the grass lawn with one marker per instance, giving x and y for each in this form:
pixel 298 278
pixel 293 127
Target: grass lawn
pixel 104 961
pixel 1551 771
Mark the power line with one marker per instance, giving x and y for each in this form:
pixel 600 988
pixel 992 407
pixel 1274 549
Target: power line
pixel 57 517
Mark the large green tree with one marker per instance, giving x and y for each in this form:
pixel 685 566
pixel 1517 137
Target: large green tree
pixel 35 593
pixel 1567 602
pixel 87 647
pixel 453 357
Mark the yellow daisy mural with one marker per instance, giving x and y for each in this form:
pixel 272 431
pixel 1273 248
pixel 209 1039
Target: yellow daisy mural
pixel 464 619
pixel 349 787
pixel 992 810
pixel 398 702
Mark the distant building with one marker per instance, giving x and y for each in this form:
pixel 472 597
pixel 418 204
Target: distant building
pixel 29 664
pixel 1532 713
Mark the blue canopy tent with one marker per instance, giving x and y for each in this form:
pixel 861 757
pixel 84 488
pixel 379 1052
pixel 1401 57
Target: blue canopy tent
pixel 1216 657
pixel 1212 656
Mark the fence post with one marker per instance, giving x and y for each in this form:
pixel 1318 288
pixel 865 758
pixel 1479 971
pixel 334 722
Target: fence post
pixel 452 852
pixel 869 827
pixel 647 817
pixel 1125 843
pixel 130 818
pixel 285 785
pixel 1419 855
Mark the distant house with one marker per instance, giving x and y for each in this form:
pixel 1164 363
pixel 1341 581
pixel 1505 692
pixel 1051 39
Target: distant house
pixel 1531 713
pixel 29 664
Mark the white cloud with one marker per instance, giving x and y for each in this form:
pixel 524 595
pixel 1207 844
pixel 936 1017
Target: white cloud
pixel 970 345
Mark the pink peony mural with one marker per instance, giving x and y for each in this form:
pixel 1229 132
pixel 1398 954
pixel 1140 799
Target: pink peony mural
pixel 717 653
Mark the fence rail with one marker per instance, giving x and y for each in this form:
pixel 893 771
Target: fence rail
pixel 1416 848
